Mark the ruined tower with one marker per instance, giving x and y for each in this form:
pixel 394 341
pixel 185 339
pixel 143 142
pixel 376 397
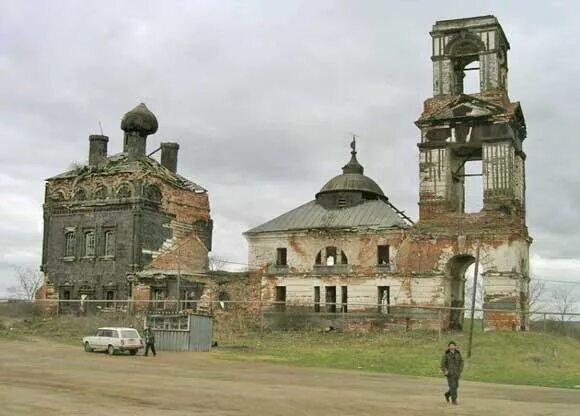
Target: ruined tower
pixel 465 136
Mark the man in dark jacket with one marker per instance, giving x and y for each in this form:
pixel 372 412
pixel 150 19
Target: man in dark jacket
pixel 149 341
pixel 452 366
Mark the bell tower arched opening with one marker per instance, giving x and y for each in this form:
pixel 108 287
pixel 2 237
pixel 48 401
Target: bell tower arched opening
pixel 455 289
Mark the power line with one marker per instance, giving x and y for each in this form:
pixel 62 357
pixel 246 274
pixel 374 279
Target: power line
pixel 573 282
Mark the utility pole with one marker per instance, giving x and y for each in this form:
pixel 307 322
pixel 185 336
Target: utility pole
pixel 475 272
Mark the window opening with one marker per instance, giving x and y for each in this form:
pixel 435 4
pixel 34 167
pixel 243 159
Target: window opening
pixel 330 256
pixel 110 295
pixel 383 299
pixel 344 298
pixel 109 243
pixel 69 244
pixel 90 243
pixel 383 255
pixel 330 299
pixel 316 298
pixel 473 183
pixel 343 258
pixel 471 78
pixel 280 298
pixel 281 254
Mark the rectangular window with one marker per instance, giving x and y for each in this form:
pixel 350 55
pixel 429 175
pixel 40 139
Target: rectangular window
pixel 281 256
pixel 280 298
pixel 344 298
pixel 109 243
pixel 69 244
pixel 383 299
pixel 110 296
pixel 316 298
pixel 89 244
pixel 383 255
pixel 330 299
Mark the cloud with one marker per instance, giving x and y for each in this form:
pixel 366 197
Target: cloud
pixel 262 97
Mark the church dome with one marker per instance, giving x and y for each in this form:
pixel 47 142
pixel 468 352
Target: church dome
pixel 352 179
pixel 139 120
pixel 352 182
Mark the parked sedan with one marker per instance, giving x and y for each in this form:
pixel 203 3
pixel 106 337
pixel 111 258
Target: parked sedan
pixel 113 339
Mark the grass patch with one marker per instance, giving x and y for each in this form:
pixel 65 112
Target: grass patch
pixel 498 357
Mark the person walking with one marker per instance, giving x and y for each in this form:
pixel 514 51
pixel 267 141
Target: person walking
pixel 452 367
pixel 149 341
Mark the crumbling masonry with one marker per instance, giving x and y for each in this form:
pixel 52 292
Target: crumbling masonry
pixel 351 246
pixel 121 215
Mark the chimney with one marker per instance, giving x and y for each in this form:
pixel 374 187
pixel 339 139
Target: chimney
pixel 169 156
pixel 97 149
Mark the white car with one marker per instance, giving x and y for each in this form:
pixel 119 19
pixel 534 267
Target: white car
pixel 113 339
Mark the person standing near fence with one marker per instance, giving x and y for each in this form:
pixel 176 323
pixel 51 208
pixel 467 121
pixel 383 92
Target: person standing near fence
pixel 452 367
pixel 149 341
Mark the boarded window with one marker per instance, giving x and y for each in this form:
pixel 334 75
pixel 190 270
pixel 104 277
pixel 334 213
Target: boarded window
pixel 383 255
pixel 281 254
pixel 109 243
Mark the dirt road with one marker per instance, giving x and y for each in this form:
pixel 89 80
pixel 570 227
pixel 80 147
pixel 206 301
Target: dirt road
pixel 43 378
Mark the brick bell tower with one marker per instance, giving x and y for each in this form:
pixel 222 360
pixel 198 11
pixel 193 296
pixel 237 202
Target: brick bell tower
pixel 482 130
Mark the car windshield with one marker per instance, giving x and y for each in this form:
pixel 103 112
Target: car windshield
pixel 129 333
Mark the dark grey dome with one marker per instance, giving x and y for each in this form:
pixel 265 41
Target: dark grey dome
pixel 352 182
pixel 352 179
pixel 140 120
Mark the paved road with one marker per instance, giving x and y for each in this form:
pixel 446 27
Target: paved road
pixel 44 378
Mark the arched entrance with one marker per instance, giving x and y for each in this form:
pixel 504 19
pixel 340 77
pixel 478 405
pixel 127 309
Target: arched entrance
pixel 455 289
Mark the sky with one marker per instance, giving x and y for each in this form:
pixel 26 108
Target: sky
pixel 263 97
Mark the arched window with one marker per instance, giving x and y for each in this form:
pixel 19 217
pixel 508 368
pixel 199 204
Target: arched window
pixel 57 196
pixel 124 191
pixel 80 195
pixel 153 193
pixel 329 257
pixel 69 244
pixel 101 193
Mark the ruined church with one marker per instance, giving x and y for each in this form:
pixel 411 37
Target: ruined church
pixel 122 214
pixel 129 227
pixel 350 249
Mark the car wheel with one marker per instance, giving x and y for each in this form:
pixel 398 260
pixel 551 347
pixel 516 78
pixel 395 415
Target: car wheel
pixel 88 347
pixel 111 350
pixel 133 352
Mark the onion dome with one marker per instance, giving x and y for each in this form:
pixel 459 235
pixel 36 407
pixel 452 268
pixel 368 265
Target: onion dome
pixel 139 120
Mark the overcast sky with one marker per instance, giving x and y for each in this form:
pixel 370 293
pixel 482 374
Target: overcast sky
pixel 262 97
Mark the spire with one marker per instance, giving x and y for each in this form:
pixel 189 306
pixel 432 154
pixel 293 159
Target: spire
pixel 353 166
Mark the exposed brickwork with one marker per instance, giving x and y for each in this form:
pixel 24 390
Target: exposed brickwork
pixel 125 213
